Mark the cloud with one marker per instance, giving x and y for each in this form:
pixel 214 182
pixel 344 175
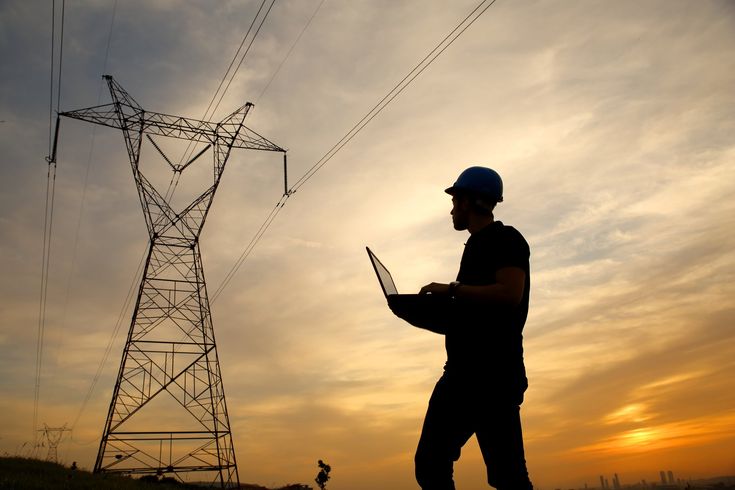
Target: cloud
pixel 611 125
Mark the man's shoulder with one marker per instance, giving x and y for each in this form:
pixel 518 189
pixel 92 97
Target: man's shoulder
pixel 500 231
pixel 510 239
pixel 490 249
pixel 512 233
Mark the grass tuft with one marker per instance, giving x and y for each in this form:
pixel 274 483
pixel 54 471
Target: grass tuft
pixel 32 474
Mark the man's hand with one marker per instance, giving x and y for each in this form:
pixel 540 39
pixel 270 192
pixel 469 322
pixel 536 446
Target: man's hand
pixel 435 288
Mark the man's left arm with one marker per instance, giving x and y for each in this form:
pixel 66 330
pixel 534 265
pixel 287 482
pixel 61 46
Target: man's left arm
pixel 507 290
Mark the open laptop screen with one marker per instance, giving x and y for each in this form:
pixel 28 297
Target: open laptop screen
pixel 386 280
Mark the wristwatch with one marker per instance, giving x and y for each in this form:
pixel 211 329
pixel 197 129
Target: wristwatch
pixel 453 289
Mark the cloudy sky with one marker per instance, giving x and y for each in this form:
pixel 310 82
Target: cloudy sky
pixel 611 123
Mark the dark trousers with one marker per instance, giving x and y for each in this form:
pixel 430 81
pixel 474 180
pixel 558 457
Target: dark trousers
pixel 458 409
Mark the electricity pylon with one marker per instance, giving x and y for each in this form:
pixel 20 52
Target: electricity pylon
pixel 170 353
pixel 52 436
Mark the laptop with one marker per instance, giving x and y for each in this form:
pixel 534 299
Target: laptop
pixel 384 276
pixel 431 312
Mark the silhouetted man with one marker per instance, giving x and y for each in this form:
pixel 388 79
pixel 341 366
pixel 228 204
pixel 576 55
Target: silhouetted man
pixel 484 311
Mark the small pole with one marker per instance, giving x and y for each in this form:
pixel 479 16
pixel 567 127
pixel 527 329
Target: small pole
pixel 285 175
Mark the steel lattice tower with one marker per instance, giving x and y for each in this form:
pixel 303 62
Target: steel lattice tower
pixel 52 436
pixel 170 351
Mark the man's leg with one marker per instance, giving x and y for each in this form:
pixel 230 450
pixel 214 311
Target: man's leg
pixel 500 438
pixel 446 429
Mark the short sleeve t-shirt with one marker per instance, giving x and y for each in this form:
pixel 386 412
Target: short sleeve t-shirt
pixel 487 340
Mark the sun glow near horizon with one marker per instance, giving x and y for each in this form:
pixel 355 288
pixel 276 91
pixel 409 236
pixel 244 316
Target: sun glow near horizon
pixel 611 124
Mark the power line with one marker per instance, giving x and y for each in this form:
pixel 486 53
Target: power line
pixel 253 242
pixel 39 335
pixel 48 217
pixel 51 82
pixel 86 178
pixel 298 38
pixel 61 56
pixel 448 40
pixel 113 336
pixel 243 56
pixel 81 208
pixel 176 177
pixel 207 115
pixel 237 53
pixel 45 261
pixel 395 91
pixel 279 205
pixel 169 192
pixel 389 97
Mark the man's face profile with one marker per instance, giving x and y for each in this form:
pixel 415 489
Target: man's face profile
pixel 460 210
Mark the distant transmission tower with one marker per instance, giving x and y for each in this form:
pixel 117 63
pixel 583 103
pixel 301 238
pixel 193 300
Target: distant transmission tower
pixel 168 412
pixel 51 437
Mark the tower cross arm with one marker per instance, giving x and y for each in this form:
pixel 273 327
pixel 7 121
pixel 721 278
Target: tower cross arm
pixel 123 116
pixel 249 139
pixel 106 115
pixel 179 127
pixel 197 130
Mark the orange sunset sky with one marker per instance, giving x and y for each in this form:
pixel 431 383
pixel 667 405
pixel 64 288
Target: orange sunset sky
pixel 611 123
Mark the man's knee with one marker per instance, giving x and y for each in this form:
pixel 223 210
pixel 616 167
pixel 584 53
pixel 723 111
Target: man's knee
pixel 433 473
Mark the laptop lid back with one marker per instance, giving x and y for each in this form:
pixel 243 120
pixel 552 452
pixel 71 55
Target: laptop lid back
pixel 384 277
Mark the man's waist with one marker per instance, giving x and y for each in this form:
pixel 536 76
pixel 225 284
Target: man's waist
pixel 509 379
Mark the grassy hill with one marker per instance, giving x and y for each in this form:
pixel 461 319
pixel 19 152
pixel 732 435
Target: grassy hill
pixel 33 474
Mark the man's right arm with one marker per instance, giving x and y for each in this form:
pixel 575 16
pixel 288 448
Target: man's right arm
pixel 510 283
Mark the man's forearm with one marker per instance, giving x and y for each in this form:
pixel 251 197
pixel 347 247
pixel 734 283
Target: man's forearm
pixel 507 290
pixel 495 294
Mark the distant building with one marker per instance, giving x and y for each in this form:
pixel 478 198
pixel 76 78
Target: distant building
pixel 663 477
pixel 604 483
pixel 671 477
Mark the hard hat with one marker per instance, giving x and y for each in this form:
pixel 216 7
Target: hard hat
pixel 479 181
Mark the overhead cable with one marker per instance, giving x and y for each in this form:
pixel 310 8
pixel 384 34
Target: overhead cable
pixel 228 73
pixel 126 304
pixel 400 87
pixel 48 217
pixel 470 19
pixel 243 57
pixel 249 248
pixel 61 56
pixel 170 190
pixel 296 41
pixel 78 228
pixel 234 58
pixel 45 266
pixel 85 182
